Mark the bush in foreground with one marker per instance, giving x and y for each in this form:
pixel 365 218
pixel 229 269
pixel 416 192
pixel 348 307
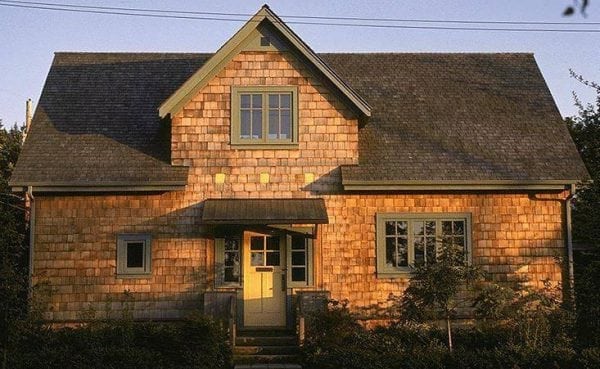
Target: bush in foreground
pixel 335 339
pixel 195 343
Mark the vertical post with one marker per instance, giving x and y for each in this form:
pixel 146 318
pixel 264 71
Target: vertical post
pixel 301 330
pixel 301 322
pixel 569 235
pixel 31 201
pixel 232 324
pixel 28 117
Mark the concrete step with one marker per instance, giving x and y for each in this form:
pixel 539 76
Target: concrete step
pixel 266 341
pixel 268 366
pixel 265 359
pixel 266 350
pixel 265 332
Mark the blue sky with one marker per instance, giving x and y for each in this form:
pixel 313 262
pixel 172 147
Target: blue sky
pixel 28 38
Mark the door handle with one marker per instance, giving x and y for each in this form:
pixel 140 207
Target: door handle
pixel 283 282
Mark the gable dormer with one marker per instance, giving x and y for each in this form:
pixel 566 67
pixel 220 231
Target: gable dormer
pixel 265 31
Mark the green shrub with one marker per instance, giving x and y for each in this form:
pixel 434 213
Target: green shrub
pixel 336 340
pixel 196 343
pixel 587 294
pixel 590 358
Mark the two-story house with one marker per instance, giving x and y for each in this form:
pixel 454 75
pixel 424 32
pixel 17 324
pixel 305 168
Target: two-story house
pixel 266 169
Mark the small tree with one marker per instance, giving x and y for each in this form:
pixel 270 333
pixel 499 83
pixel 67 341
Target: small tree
pixel 435 289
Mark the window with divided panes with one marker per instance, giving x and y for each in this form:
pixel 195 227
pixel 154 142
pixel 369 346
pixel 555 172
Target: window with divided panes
pixel 264 115
pixel 265 251
pixel 407 240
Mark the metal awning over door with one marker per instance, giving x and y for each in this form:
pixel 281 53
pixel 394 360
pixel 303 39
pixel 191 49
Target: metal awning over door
pixel 264 211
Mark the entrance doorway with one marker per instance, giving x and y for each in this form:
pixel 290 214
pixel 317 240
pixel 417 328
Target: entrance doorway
pixel 264 280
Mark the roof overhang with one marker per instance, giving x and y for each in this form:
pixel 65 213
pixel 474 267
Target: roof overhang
pixel 264 211
pixel 234 45
pixel 458 185
pixel 68 187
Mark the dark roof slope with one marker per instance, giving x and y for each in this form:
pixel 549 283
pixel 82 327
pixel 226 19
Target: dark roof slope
pixel 457 117
pixel 435 117
pixel 97 120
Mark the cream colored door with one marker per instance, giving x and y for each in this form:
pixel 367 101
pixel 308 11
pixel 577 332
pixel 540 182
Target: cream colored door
pixel 264 280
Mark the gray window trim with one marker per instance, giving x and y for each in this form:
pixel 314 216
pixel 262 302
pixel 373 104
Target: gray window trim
pixel 122 270
pixel 309 263
pixel 265 142
pixel 385 271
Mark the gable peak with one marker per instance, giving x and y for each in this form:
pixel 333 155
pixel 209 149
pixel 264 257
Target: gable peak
pixel 199 79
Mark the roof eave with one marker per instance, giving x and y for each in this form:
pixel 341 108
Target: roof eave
pixel 269 222
pixel 69 187
pixel 458 185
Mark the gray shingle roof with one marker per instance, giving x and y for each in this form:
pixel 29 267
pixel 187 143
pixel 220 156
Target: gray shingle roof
pixel 453 117
pixel 97 120
pixel 435 117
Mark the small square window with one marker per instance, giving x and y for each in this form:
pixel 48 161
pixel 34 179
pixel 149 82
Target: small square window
pixel 134 255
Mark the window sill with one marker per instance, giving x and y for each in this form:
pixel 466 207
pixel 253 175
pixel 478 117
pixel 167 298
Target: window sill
pixel 226 287
pixel 134 276
pixel 265 146
pixel 395 274
pixel 299 285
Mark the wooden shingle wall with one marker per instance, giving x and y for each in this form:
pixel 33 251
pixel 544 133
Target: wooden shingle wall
pixel 515 236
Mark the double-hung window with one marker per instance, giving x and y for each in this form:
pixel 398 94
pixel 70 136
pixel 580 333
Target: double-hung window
pixel 264 115
pixel 134 255
pixel 407 240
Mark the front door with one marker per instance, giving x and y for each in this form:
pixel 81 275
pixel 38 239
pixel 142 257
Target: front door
pixel 264 280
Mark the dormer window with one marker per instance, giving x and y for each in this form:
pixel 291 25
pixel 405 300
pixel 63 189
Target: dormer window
pixel 264 115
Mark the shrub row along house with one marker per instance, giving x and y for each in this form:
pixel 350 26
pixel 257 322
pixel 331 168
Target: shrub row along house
pixel 266 170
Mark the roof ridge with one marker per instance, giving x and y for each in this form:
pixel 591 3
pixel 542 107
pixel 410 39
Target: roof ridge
pixel 130 52
pixel 429 53
pixel 321 52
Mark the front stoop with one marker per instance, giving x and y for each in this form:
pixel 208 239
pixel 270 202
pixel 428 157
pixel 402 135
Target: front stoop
pixel 266 349
pixel 268 366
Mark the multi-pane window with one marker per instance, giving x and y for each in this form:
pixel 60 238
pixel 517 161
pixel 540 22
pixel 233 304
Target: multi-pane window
pixel 264 115
pixel 228 261
pixel 280 116
pixel 407 240
pixel 396 243
pixel 231 260
pixel 251 116
pixel 134 255
pixel 264 251
pixel 299 259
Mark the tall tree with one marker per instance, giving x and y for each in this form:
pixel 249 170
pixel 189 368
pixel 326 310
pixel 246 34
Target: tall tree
pixel 13 253
pixel 585 130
